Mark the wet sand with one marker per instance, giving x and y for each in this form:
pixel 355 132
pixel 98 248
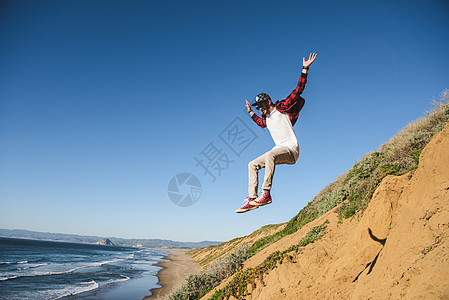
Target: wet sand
pixel 174 272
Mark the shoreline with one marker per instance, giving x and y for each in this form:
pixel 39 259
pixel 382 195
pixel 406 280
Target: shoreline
pixel 177 267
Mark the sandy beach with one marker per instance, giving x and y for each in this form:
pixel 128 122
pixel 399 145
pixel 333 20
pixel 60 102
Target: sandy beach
pixel 174 272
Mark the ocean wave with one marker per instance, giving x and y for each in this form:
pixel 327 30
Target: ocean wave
pixel 31 266
pixel 21 262
pixel 94 264
pixel 90 282
pixel 74 290
pixel 13 262
pixel 11 277
pixel 4 278
pixel 36 273
pixel 91 285
pixel 124 278
pixel 128 257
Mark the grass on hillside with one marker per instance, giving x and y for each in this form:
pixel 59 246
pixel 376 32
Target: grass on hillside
pixel 196 286
pixel 398 156
pixel 220 251
pixel 238 286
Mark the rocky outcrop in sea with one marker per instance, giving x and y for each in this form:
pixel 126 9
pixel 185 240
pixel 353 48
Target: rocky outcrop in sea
pixel 106 242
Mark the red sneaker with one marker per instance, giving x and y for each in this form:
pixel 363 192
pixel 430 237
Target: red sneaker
pixel 263 199
pixel 247 206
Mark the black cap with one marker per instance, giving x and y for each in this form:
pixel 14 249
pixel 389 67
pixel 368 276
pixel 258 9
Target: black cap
pixel 262 97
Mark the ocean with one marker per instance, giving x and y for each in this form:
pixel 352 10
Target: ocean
pixel 31 269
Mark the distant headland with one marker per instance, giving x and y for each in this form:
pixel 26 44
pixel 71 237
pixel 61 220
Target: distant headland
pixel 73 238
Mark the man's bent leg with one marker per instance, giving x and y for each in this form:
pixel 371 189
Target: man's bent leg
pixel 253 175
pixel 278 156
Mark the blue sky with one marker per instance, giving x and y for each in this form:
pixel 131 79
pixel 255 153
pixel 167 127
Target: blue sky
pixel 103 102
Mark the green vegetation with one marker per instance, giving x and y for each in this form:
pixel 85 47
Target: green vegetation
pixel 198 285
pixel 238 286
pixel 398 156
pixel 220 251
pixel 306 215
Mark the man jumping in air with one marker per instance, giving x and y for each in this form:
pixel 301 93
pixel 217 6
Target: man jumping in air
pixel 279 118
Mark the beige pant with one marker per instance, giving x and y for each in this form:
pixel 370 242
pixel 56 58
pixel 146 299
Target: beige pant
pixel 278 156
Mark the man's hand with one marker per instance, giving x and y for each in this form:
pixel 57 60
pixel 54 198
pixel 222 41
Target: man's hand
pixel 248 107
pixel 307 63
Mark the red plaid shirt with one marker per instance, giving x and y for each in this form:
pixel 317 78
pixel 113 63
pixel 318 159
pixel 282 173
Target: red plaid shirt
pixel 291 105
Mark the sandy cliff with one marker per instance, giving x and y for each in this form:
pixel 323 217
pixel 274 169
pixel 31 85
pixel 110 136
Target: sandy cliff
pixel 398 248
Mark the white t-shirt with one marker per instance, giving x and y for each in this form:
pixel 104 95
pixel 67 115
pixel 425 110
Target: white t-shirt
pixel 282 132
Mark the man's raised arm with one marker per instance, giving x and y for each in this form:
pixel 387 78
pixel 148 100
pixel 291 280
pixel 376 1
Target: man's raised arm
pixel 294 95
